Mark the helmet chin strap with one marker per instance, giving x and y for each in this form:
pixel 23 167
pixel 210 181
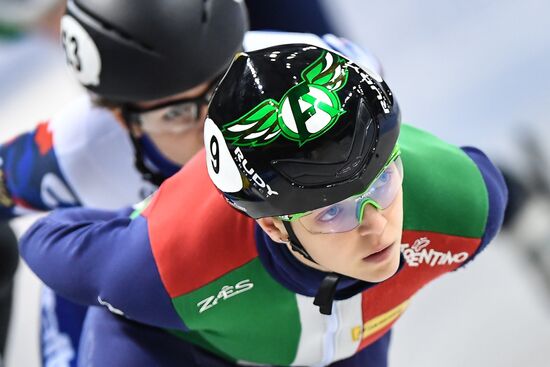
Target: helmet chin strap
pixel 325 294
pixel 139 162
pixel 139 157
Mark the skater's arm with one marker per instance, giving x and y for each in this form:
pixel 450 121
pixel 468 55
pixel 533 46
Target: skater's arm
pixel 30 176
pixel 96 257
pixel 497 193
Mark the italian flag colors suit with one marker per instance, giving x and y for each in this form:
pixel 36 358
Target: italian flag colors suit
pixel 230 298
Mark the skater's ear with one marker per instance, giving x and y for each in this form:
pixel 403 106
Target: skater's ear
pixel 274 228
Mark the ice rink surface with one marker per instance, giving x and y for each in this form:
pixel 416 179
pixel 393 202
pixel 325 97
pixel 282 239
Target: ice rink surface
pixel 471 72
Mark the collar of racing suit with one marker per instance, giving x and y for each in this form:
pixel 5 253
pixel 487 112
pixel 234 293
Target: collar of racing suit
pixel 155 160
pixel 295 276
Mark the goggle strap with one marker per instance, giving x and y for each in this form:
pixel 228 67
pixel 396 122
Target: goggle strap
pixel 325 295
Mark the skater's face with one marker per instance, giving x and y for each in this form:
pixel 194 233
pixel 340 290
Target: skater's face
pixel 370 252
pixel 175 124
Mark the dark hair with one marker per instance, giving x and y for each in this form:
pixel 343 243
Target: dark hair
pixel 100 101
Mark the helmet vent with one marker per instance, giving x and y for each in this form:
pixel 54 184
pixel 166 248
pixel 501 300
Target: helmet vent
pixel 334 168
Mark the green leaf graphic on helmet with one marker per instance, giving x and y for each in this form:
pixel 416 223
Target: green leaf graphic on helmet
pixel 305 112
pixel 257 127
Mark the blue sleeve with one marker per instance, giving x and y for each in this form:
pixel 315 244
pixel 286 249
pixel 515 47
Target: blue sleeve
pixel 497 194
pixel 97 257
pixel 30 176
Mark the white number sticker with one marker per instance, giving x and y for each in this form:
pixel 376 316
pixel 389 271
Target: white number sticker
pixel 81 51
pixel 221 167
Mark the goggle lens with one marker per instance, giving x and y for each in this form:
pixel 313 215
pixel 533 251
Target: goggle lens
pixel 347 214
pixel 173 117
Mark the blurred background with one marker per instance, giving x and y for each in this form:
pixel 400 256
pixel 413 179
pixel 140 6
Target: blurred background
pixel 474 73
pixel 471 72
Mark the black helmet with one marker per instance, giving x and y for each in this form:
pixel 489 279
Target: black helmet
pixel 296 127
pixel 128 51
